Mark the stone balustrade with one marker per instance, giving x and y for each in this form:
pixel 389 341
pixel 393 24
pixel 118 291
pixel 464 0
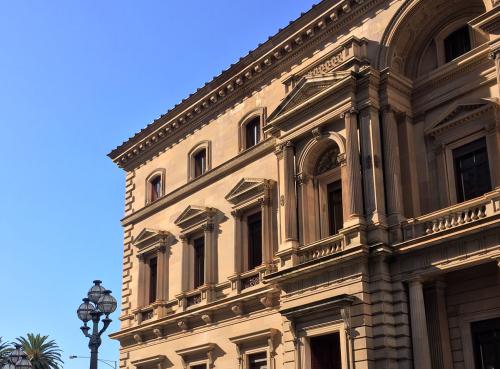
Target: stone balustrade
pixel 325 247
pixel 454 216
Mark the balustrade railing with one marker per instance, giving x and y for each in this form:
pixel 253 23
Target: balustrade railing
pixel 454 216
pixel 325 247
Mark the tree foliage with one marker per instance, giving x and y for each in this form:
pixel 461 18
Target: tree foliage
pixel 42 352
pixel 5 349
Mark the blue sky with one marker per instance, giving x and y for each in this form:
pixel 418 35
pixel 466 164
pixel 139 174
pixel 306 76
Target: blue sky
pixel 76 79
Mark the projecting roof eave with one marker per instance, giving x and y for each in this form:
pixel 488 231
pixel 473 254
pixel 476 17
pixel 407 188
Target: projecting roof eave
pixel 262 64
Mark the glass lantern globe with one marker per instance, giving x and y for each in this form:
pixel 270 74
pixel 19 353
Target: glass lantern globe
pixel 16 354
pixel 85 310
pixel 107 303
pixel 96 291
pixel 24 363
pixel 9 365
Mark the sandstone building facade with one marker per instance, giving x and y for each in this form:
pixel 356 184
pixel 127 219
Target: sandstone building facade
pixel 330 201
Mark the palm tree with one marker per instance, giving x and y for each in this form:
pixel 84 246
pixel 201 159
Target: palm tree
pixel 5 349
pixel 43 354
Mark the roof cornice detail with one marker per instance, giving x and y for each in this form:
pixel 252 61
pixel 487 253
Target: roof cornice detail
pixel 248 74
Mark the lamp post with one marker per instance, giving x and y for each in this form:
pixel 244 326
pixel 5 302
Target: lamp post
pixel 98 302
pixel 17 359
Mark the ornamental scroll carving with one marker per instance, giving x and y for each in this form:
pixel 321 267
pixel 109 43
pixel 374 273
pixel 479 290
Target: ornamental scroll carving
pixel 327 66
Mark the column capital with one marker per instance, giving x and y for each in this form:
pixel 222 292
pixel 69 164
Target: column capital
pixel 208 227
pixel 236 213
pixel 349 112
pixel 495 54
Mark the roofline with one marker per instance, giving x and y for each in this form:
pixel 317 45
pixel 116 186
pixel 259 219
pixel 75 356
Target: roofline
pixel 324 16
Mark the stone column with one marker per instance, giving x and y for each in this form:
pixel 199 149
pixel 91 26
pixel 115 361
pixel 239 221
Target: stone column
pixel 287 195
pixel 495 55
pixel 184 277
pixel 420 338
pixel 210 257
pixel 267 234
pixel 392 167
pixel 440 287
pixel 238 241
pixel 373 175
pixel 161 280
pixel 141 281
pixel 353 168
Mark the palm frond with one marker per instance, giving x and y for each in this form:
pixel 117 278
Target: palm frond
pixel 42 352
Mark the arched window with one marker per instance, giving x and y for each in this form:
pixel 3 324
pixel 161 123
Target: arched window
pixel 252 132
pixel 457 43
pixel 251 128
pixel 320 192
pixel 155 186
pixel 199 161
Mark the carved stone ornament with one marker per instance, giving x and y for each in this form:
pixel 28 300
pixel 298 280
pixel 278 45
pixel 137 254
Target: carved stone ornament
pixel 182 324
pixel 137 338
pixel 158 333
pixel 267 300
pixel 329 159
pixel 237 309
pixel 207 318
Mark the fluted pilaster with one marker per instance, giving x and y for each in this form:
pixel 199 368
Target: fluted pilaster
pixel 353 167
pixel 420 337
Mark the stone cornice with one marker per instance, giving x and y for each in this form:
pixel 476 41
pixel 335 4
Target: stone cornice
pixel 253 71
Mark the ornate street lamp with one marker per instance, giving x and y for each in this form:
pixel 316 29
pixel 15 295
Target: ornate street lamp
pixel 98 302
pixel 17 359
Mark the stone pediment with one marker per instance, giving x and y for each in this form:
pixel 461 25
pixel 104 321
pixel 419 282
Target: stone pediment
pixel 247 188
pixel 194 215
pixel 457 114
pixel 150 238
pixel 312 85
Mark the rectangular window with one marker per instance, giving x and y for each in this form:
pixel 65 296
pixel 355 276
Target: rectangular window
pixel 199 261
pixel 257 360
pixel 254 223
pixel 200 163
pixel 252 132
pixel 335 216
pixel 153 275
pixel 325 352
pixel 156 188
pixel 472 171
pixel 486 341
pixel 199 366
pixel 457 43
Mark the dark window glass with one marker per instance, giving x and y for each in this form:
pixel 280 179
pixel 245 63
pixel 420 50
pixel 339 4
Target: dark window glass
pixel 486 342
pixel 254 223
pixel 200 163
pixel 252 132
pixel 257 361
pixel 457 43
pixel 325 352
pixel 199 366
pixel 153 274
pixel 472 172
pixel 199 261
pixel 155 188
pixel 335 217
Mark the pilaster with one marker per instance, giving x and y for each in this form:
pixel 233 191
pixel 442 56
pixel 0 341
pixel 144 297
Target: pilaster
pixel 353 168
pixel 419 334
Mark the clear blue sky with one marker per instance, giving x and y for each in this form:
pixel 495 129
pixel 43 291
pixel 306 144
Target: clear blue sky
pixel 76 79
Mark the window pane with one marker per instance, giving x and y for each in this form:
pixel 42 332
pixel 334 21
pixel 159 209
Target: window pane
pixel 153 274
pixel 199 261
pixel 155 188
pixel 457 43
pixel 325 352
pixel 199 366
pixel 200 163
pixel 257 361
pixel 472 172
pixel 335 215
pixel 254 223
pixel 252 132
pixel 486 342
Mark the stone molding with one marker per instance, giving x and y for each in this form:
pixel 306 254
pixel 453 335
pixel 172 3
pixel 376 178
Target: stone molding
pixel 314 27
